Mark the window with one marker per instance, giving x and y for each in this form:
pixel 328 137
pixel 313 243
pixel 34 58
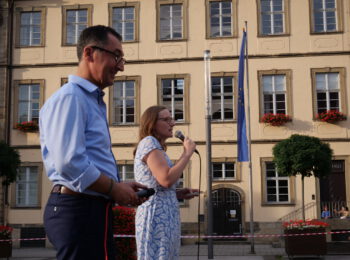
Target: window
pixel 220 18
pixel 273 17
pixel 75 20
pixel 274 92
pixel 28 100
pixel 124 18
pixel 223 170
pixel 31 23
pixel 126 171
pixel 124 101
pixel 277 187
pixel 171 19
pixel 223 96
pixel 173 91
pixel 325 16
pixel 27 186
pixel 329 87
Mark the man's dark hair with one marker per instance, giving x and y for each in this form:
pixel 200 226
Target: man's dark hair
pixel 95 35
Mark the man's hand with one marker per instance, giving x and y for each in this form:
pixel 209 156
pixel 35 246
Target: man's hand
pixel 187 193
pixel 124 193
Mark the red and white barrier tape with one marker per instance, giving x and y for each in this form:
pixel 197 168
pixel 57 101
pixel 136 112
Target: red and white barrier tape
pixel 227 237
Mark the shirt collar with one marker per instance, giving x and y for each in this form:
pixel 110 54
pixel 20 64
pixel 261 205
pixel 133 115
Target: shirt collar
pixel 87 85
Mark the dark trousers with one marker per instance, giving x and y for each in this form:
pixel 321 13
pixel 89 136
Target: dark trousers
pixel 77 227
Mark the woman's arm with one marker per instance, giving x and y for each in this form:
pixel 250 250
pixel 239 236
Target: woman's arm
pixel 158 165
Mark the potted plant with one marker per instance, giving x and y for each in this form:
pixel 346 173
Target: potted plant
pixel 331 116
pixel 28 126
pixel 5 241
pixel 275 119
pixel 305 237
pixel 124 224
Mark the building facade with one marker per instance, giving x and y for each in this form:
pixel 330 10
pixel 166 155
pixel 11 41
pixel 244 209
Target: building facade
pixel 299 65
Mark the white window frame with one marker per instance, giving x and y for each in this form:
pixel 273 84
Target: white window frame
pixel 223 170
pixel 27 183
pixel 170 24
pixel 122 170
pixel 170 20
pixel 328 91
pixel 76 24
pixel 276 179
pixel 222 95
pixel 274 92
pixel 19 26
pixel 342 106
pixel 221 16
pixel 123 80
pixel 76 9
pixel 287 91
pixel 16 112
pixel 30 27
pixel 30 102
pixel 324 12
pixel 172 96
pixel 285 18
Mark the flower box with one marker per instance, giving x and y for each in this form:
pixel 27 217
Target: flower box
pixel 30 126
pixel 304 238
pixel 124 224
pixel 331 116
pixel 275 119
pixel 5 242
pixel 300 242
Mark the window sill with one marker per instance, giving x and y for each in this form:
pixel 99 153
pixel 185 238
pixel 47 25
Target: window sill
pixel 26 208
pixel 284 204
pixel 124 125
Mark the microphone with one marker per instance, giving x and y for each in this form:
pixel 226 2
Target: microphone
pixel 145 193
pixel 179 135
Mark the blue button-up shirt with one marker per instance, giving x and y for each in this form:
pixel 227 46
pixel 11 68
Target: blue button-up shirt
pixel 74 136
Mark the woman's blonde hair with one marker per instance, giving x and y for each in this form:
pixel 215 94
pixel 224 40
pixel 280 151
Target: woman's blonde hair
pixel 148 122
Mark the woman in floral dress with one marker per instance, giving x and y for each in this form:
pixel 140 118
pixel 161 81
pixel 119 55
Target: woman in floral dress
pixel 158 219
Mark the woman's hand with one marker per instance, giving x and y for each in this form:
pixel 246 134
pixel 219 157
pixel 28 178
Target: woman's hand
pixel 187 193
pixel 189 146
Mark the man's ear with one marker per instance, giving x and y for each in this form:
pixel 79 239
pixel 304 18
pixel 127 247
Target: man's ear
pixel 88 53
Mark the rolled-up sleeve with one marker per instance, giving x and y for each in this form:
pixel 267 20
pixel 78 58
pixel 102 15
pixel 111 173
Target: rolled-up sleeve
pixel 63 125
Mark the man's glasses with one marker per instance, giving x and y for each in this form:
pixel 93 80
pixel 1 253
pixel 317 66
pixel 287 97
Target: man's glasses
pixel 167 119
pixel 119 59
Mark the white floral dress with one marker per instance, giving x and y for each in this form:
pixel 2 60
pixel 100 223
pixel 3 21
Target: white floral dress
pixel 158 219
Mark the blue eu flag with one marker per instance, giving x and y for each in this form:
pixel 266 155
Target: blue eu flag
pixel 242 143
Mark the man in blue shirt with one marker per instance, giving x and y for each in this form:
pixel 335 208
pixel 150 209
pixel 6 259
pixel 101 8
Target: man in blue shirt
pixel 76 150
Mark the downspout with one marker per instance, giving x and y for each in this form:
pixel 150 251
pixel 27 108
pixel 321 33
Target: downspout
pixel 9 93
pixel 9 70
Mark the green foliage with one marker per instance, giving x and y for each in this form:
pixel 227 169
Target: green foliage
pixel 9 163
pixel 304 155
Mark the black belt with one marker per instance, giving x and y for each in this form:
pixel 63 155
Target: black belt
pixel 60 189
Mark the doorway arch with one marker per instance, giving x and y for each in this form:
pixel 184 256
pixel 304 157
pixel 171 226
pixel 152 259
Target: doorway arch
pixel 227 211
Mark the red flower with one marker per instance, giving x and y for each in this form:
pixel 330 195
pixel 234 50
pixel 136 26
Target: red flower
pixel 124 224
pixel 331 116
pixel 28 126
pixel 275 119
pixel 5 232
pixel 301 224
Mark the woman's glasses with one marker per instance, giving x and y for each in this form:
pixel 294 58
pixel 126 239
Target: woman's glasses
pixel 167 119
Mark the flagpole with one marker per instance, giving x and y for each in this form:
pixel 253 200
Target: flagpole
pixel 207 80
pixel 252 249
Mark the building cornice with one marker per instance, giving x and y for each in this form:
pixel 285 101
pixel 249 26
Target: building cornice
pixel 228 142
pixel 151 61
